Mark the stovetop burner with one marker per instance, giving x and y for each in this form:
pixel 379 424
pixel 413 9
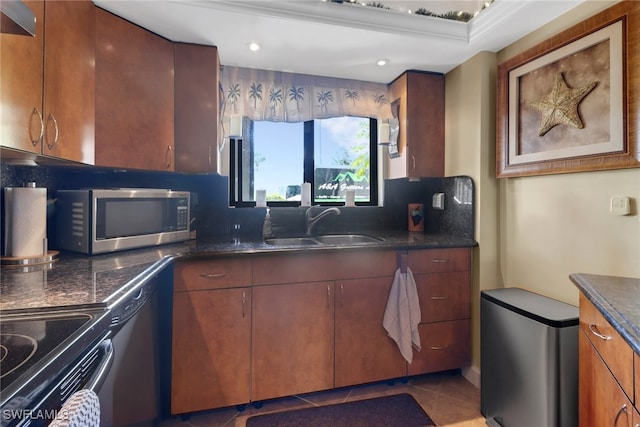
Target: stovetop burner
pixel 22 347
pixel 24 341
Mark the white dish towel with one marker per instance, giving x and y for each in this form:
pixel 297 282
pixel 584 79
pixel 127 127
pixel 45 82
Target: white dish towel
pixel 402 314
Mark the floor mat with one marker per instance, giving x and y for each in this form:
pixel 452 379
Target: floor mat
pixel 400 410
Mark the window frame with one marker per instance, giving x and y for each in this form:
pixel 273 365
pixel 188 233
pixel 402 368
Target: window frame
pixel 235 169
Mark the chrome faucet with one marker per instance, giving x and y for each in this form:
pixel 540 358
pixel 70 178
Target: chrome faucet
pixel 312 220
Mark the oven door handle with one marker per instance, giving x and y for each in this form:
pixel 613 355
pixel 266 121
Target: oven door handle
pixel 98 377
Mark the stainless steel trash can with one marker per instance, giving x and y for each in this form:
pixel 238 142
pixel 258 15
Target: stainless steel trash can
pixel 528 360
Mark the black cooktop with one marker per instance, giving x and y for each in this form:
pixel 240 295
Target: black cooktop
pixel 26 340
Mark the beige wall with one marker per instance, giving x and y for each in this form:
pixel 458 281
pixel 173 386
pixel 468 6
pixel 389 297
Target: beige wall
pixel 470 150
pixel 535 231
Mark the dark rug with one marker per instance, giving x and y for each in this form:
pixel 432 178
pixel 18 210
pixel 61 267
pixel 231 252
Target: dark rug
pixel 400 410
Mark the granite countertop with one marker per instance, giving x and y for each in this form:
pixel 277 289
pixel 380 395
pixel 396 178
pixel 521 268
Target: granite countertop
pixel 96 281
pixel 618 299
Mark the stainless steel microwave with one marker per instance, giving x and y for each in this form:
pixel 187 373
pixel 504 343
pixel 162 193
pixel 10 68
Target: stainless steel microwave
pixel 95 221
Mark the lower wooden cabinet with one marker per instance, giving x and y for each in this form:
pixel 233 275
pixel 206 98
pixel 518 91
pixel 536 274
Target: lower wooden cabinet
pixel 364 352
pixel 292 338
pixel 601 400
pixel 211 349
pixel 244 330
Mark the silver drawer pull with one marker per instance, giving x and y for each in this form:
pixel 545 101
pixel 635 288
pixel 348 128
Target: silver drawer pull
pixel 439 348
pixel 213 276
pixel 439 260
pixel 439 298
pixel 595 332
pixel 622 410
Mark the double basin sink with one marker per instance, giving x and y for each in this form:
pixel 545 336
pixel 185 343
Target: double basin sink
pixel 324 240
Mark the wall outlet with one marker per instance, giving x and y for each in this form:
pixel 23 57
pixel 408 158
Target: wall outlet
pixel 438 201
pixel 620 205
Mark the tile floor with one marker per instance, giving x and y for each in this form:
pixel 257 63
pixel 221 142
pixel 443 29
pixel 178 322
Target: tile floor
pixel 448 398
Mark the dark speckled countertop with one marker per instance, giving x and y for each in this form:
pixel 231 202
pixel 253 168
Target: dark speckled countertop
pixel 81 280
pixel 618 299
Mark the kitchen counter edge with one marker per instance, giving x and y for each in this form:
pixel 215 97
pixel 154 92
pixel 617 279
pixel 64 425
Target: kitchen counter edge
pixel 82 281
pixel 617 299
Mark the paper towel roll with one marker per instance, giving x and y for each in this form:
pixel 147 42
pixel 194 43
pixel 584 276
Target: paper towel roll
pixel 305 194
pixel 26 221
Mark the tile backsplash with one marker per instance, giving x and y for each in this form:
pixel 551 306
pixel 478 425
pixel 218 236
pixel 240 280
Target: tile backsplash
pixel 213 218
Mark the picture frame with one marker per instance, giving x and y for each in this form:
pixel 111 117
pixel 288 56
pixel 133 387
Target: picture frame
pixel 564 105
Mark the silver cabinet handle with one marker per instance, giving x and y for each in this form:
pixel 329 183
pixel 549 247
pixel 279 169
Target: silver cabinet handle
pixel 213 276
pixel 244 304
pixel 413 158
pixel 328 296
pixel 36 113
pixel 52 119
pixel 594 331
pixel 341 293
pixel 622 410
pixel 439 260
pixel 168 156
pixel 435 298
pixel 439 348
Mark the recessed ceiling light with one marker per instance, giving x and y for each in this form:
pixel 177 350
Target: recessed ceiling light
pixel 253 46
pixel 382 62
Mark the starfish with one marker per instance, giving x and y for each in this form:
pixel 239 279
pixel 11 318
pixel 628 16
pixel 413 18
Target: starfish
pixel 560 106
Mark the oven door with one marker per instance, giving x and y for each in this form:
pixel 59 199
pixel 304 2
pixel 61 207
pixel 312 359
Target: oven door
pixel 89 371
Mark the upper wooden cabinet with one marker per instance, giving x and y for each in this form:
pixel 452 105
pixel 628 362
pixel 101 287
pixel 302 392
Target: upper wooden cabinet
pixel 48 83
pixel 421 115
pixel 196 107
pixel 134 96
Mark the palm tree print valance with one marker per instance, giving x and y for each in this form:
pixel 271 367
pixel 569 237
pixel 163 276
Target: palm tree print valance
pixel 287 97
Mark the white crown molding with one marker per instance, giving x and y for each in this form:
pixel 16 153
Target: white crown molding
pixel 346 15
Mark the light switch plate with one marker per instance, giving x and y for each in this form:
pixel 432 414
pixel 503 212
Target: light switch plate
pixel 620 205
pixel 438 201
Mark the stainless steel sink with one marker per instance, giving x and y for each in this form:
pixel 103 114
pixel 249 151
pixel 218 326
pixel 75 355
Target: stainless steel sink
pixel 291 241
pixel 346 239
pixel 327 239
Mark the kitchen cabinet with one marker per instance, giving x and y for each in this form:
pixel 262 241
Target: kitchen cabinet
pixel 443 282
pixel 292 339
pixel 363 350
pixel 257 327
pixel 606 372
pixel 211 338
pixel 196 108
pixel 48 83
pixel 134 96
pixel 421 101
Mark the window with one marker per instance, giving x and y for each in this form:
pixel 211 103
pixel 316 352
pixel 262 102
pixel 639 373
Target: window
pixel 334 155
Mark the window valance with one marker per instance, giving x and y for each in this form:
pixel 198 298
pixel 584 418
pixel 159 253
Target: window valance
pixel 287 97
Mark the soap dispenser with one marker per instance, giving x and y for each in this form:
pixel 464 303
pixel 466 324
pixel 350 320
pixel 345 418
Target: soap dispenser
pixel 266 226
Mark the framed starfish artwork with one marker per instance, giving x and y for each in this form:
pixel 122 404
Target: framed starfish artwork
pixel 565 105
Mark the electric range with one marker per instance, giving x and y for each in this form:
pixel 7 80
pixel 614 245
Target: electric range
pixel 40 349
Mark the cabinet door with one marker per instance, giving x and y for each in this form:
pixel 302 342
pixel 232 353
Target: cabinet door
pixel 196 109
pixel 601 400
pixel 425 124
pixel 211 349
pixel 21 86
pixel 364 352
pixel 444 346
pixel 69 80
pixel 134 96
pixel 292 339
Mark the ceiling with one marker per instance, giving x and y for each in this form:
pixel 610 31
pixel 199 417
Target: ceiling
pixel 341 39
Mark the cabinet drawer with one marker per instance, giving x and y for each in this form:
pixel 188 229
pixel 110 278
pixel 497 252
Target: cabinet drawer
pixel 444 296
pixel 211 274
pixel 439 260
pixel 307 267
pixel 445 345
pixel 636 369
pixel 612 348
